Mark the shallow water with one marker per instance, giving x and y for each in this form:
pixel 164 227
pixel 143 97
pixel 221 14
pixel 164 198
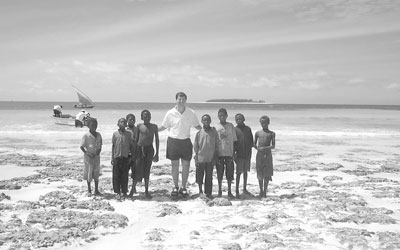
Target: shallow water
pixel 28 129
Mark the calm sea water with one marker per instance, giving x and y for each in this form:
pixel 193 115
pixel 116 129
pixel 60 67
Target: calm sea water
pixel 26 127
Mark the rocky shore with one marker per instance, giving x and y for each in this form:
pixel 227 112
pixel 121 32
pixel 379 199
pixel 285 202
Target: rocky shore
pixel 310 205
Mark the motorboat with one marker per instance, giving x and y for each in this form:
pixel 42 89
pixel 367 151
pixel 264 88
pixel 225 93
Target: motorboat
pixel 66 120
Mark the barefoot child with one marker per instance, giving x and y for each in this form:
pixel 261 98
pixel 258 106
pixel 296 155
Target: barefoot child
pixel 244 145
pixel 227 137
pixel 91 147
pixel 122 148
pixel 130 120
pixel 145 155
pixel 266 141
pixel 205 148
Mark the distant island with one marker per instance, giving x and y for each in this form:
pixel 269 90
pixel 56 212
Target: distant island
pixel 236 100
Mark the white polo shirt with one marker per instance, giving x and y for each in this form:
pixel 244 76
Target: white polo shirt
pixel 178 124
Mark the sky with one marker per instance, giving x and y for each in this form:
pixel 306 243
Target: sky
pixel 297 51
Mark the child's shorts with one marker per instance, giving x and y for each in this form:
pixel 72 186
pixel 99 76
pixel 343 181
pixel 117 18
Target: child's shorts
pixel 92 168
pixel 242 165
pixel 225 162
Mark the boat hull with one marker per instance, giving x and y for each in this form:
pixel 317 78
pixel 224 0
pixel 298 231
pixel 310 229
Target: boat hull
pixel 83 106
pixel 66 121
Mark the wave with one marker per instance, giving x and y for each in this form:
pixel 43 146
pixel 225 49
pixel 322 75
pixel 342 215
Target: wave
pixel 382 133
pixel 309 133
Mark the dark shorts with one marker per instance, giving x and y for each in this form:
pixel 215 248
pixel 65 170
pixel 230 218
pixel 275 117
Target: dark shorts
pixel 243 165
pixel 78 123
pixel 57 113
pixel 225 162
pixel 179 149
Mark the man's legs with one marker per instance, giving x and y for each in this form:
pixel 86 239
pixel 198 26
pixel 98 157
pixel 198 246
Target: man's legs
pixel 185 172
pixel 175 172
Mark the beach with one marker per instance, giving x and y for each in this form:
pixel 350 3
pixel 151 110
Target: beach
pixel 336 185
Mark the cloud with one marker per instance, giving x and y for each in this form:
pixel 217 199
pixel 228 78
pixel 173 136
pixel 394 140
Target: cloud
pixel 355 81
pixel 123 75
pixel 393 86
pixel 311 80
pixel 315 10
pixel 266 82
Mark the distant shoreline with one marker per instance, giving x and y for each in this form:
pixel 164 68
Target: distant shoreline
pixel 234 100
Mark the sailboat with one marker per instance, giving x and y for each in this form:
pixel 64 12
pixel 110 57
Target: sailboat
pixel 84 100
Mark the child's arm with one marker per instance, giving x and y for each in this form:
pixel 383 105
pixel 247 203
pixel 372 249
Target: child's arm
pixel 215 157
pixel 155 158
pixel 131 148
pixel 101 144
pixel 272 141
pixel 196 148
pixel 84 149
pixel 251 136
pixel 137 134
pixel 255 141
pixel 112 151
pixel 83 143
pixel 161 128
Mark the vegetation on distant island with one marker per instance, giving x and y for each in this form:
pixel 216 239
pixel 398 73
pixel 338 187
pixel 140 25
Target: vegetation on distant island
pixel 235 100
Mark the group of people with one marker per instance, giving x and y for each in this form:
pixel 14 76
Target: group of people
pixel 221 146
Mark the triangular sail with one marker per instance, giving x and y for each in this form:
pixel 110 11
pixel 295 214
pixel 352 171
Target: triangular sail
pixel 84 100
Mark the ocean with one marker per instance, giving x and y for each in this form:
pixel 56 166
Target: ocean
pixel 26 127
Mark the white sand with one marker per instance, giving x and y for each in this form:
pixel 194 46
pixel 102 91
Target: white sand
pixel 202 227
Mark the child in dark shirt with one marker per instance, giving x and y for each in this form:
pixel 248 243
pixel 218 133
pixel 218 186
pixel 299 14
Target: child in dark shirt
pixel 243 147
pixel 122 148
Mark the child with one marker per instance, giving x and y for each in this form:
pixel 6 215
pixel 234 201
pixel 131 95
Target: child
pixel 205 148
pixel 266 142
pixel 244 145
pixel 130 120
pixel 122 148
pixel 146 133
pixel 91 147
pixel 227 137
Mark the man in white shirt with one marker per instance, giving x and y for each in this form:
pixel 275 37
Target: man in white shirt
pixel 80 118
pixel 178 121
